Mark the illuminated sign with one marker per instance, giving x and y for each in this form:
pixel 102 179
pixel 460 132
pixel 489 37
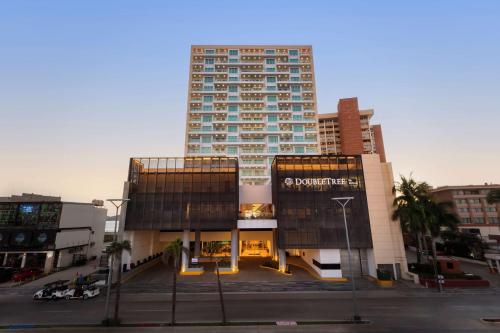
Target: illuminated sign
pixel 321 181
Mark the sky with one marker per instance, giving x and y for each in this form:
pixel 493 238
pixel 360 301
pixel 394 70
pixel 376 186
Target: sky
pixel 85 85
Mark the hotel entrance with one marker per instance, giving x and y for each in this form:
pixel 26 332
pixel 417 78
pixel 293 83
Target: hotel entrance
pixel 255 248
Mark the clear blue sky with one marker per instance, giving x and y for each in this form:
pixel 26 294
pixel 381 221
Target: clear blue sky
pixel 84 85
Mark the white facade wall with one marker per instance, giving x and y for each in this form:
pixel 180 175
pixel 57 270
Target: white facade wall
pixel 323 256
pixel 388 247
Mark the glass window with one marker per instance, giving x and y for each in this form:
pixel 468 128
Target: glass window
pixel 272 128
pixel 295 78
pixel 296 107
pixel 232 98
pixel 233 70
pixel 272 98
pixel 232 60
pixel 233 88
pixel 293 60
pixel 206 139
pixel 272 139
pixel 296 98
pixel 209 61
pixel 209 69
pixel 232 118
pixel 272 118
pixel 232 128
pixel 232 150
pixel 298 150
pixel 311 150
pixel 208 88
pixel 270 69
pixel 295 88
pixel 270 51
pixel 294 70
pixel 232 138
pixel 293 52
pixel 208 99
pixel 272 150
pixel 207 108
pixel 271 79
pixel 232 108
pixel 270 61
pixel 298 128
pixel 206 128
pixel 207 118
pixel 206 150
pixel 271 107
pixel 208 79
pixel 271 88
pixel 297 117
pixel 233 52
pixel 209 51
pixel 298 138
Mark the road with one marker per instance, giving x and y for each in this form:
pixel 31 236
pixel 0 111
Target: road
pixel 388 310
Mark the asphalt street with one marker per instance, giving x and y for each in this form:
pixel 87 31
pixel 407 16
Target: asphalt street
pixel 388 310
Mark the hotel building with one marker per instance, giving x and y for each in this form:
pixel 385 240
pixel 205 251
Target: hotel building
pixel 252 103
pixel 253 177
pixel 476 215
pixel 349 130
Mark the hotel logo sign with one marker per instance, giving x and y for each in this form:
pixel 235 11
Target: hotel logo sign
pixel 321 181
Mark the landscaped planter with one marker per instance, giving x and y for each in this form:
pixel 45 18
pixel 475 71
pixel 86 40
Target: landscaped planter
pixel 455 283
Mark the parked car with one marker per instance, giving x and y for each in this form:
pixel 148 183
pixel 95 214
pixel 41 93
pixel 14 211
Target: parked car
pixel 6 274
pixel 84 291
pixel 26 274
pixel 55 290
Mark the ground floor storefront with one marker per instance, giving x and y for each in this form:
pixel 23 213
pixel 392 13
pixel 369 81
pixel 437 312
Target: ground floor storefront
pixel 229 248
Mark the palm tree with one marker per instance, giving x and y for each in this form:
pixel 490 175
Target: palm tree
pixel 408 209
pixel 493 196
pixel 116 249
pixel 212 249
pixel 174 251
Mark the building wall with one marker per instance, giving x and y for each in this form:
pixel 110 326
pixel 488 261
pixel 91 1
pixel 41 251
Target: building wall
pixel 388 247
pixel 324 256
pixel 379 142
pixel 350 126
pixel 280 94
pixel 256 194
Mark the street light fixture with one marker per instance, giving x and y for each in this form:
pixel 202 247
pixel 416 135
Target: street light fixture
pixel 343 201
pixel 117 203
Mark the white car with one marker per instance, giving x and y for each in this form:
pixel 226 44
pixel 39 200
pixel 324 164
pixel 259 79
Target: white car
pixel 84 291
pixel 54 291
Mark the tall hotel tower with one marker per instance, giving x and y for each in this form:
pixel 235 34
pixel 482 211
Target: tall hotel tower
pixel 251 102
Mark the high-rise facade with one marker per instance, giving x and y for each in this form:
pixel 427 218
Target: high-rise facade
pixel 251 102
pixel 349 131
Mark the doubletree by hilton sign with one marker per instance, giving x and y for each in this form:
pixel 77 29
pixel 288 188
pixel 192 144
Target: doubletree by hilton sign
pixel 320 181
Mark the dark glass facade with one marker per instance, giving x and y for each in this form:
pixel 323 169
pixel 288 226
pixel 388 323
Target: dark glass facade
pixel 29 225
pixel 307 216
pixel 172 194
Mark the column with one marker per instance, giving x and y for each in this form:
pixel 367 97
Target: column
pixel 197 243
pixel 498 265
pixel 23 261
pixel 282 260
pixel 185 255
pixel 275 244
pixel 234 249
pixel 5 259
pixel 49 261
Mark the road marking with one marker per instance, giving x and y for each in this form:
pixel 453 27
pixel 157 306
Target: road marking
pixel 142 310
pixel 57 311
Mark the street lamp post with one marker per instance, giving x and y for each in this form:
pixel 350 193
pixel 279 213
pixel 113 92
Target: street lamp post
pixel 343 201
pixel 111 260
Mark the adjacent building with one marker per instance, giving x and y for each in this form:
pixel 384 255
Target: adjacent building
pixel 48 233
pixel 251 102
pixel 470 205
pixel 349 131
pixel 253 178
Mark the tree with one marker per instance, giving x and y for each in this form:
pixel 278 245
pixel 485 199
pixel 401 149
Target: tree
pixel 116 249
pixel 408 208
pixel 174 251
pixel 212 249
pixel 493 196
pixel 463 244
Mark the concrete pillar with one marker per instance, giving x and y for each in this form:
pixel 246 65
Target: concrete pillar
pixel 23 261
pixel 49 262
pixel 5 259
pixel 197 243
pixel 185 255
pixel 282 260
pixel 234 249
pixel 275 244
pixel 498 266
